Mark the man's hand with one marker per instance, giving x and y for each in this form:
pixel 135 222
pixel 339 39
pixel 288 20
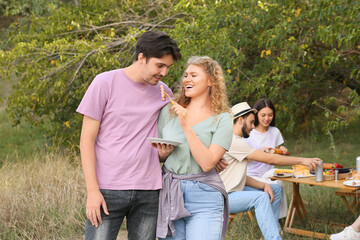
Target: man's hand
pixel 221 165
pixel 94 201
pixel 164 150
pixel 312 162
pixel 268 190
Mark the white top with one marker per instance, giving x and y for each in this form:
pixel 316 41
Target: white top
pixel 258 140
pixel 234 176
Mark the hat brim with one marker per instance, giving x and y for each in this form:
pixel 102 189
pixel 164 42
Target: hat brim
pixel 242 113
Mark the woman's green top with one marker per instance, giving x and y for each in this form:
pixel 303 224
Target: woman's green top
pixel 213 130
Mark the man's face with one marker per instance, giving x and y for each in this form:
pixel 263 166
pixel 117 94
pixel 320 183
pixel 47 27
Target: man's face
pixel 155 68
pixel 248 125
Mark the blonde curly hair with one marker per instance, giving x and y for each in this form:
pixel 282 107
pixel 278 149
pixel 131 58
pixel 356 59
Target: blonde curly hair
pixel 218 98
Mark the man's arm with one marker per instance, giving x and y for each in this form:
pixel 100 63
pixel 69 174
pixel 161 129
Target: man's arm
pixel 95 199
pixel 276 159
pixel 260 185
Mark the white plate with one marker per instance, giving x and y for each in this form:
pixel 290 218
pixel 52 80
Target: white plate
pixel 283 175
pixel 302 176
pixel 350 183
pixel 165 141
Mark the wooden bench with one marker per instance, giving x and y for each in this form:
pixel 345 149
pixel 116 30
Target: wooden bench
pixel 239 215
pixel 355 194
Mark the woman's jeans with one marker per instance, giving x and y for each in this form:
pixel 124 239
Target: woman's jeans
pixel 206 205
pixel 140 208
pixel 266 213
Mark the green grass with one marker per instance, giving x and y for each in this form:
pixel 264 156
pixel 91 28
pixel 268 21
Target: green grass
pixel 20 142
pixel 54 184
pixel 342 146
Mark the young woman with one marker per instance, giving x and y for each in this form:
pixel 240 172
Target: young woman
pixel 193 201
pixel 264 136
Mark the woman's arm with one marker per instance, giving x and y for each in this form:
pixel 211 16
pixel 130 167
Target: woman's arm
pixel 205 157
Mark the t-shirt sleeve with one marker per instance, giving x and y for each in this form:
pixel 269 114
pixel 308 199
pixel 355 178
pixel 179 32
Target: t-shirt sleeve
pixel 95 99
pixel 250 139
pixel 279 138
pixel 163 117
pixel 240 149
pixel 223 134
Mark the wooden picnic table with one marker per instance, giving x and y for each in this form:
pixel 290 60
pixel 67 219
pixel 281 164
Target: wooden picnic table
pixel 297 205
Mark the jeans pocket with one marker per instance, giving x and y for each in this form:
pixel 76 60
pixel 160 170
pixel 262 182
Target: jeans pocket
pixel 206 187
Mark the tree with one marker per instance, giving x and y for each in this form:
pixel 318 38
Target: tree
pixel 304 55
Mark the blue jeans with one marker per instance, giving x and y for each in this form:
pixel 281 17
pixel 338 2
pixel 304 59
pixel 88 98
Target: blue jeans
pixel 266 213
pixel 206 205
pixel 140 208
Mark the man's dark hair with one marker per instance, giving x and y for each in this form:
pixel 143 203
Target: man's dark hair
pixel 263 103
pixel 156 44
pixel 243 116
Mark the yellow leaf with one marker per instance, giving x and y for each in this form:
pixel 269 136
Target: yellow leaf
pixel 268 52
pixel 297 12
pixel 67 124
pixel 262 53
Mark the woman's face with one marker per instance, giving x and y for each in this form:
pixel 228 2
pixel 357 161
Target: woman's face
pixel 265 116
pixel 196 81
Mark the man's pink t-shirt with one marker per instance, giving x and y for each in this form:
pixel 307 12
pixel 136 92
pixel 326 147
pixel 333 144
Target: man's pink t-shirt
pixel 128 113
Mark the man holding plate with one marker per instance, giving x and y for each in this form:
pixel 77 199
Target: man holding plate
pixel 121 169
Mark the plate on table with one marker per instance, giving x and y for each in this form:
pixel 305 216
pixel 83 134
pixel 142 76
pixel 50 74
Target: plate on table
pixel 352 183
pixel 283 175
pixel 304 176
pixel 164 141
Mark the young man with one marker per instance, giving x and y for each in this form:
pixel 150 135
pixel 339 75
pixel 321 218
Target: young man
pixel 246 192
pixel 121 169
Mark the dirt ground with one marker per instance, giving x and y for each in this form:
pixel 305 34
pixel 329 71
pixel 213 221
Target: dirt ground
pixel 122 235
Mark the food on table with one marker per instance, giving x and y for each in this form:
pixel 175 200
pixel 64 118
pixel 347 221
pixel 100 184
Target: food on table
pixel 353 183
pixel 355 175
pixel 332 166
pixel 301 170
pixel 277 171
pixel 163 93
pixel 277 151
pixel 328 166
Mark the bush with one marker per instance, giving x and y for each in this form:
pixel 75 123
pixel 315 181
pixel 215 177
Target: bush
pixel 302 55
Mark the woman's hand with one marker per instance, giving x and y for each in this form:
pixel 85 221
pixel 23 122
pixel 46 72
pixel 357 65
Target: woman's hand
pixel 284 149
pixel 164 150
pixel 182 114
pixel 265 149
